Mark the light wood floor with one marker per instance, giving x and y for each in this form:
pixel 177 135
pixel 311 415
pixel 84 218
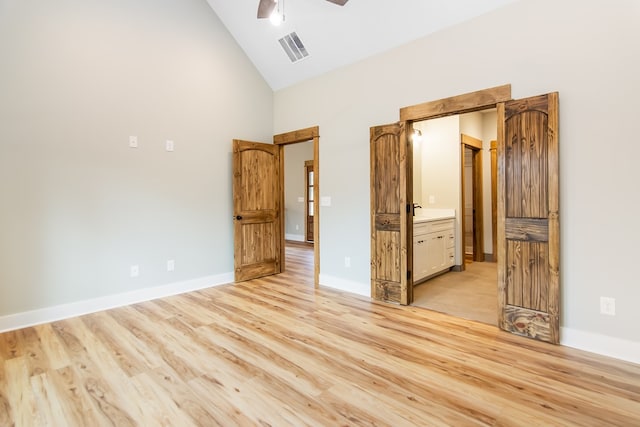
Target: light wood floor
pixel 471 294
pixel 277 352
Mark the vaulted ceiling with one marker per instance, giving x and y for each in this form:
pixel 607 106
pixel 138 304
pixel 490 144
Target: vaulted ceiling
pixel 336 36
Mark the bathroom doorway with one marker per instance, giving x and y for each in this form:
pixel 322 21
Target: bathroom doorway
pixel 528 240
pixel 449 175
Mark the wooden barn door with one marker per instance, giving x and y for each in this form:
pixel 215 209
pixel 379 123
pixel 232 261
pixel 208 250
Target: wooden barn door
pixel 391 244
pixel 256 209
pixel 528 227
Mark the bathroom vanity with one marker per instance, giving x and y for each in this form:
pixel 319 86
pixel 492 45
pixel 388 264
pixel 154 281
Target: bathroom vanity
pixel 433 243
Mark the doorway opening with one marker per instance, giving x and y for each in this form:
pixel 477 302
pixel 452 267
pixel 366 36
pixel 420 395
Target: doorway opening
pixel 528 270
pixel 472 198
pixel 298 192
pixel 449 178
pixel 299 186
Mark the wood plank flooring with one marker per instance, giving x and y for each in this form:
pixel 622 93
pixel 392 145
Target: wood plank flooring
pixel 277 352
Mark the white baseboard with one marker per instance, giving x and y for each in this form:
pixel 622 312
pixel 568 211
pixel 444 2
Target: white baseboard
pixel 601 344
pixel 345 285
pixel 65 311
pixel 294 237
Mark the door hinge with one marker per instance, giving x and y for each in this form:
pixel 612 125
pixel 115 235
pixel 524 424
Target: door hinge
pixel 408 208
pixel 408 274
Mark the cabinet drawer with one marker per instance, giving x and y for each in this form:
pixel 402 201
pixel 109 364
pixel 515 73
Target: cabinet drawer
pixel 451 239
pixel 421 228
pixel 451 257
pixel 432 226
pixel 441 225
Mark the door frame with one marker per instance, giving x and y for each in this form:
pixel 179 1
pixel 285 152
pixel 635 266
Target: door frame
pixel 459 104
pixel 475 145
pixel 494 200
pixel 294 137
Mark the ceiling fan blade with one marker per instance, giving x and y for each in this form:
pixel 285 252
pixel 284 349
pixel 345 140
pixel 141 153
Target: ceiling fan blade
pixel 265 7
pixel 338 2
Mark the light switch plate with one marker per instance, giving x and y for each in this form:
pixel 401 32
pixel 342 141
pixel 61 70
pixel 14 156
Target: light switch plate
pixel 133 141
pixel 134 271
pixel 608 306
pixel 325 201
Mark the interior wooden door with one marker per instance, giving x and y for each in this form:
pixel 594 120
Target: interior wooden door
pixel 256 209
pixel 472 185
pixel 528 225
pixel 309 200
pixel 391 244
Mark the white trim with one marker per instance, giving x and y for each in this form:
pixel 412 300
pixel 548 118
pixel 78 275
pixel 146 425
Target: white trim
pixel 345 285
pixel 294 237
pixel 601 344
pixel 65 311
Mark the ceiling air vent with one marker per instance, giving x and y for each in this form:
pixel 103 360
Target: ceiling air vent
pixel 293 46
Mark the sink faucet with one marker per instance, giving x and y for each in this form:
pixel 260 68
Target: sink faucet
pixel 415 205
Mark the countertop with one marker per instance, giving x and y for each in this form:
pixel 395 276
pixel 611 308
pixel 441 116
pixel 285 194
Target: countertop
pixel 425 215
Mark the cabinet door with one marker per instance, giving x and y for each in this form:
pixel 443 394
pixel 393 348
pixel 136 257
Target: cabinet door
pixel 420 258
pixel 436 252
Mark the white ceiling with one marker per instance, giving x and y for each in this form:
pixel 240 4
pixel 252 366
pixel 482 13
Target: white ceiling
pixel 336 36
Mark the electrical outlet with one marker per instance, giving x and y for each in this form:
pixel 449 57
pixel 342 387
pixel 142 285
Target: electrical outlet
pixel 297 227
pixel 169 145
pixel 133 141
pixel 171 265
pixel 608 306
pixel 347 261
pixel 134 271
pixel 432 200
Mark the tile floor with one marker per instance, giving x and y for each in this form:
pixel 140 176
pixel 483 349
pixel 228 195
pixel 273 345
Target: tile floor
pixel 471 294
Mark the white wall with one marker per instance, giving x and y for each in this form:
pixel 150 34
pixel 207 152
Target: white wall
pixel 294 186
pixel 587 53
pixel 79 207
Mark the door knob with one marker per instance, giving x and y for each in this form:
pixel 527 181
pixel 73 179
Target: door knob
pixel 238 217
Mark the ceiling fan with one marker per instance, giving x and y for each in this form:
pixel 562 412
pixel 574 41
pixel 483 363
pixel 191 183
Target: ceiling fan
pixel 266 7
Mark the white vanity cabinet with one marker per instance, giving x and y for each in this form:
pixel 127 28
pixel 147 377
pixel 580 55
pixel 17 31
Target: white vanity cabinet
pixel 433 247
